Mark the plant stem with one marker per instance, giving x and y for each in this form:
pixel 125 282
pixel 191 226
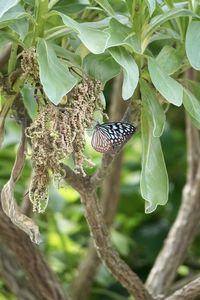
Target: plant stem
pixel 41 13
pixel 13 58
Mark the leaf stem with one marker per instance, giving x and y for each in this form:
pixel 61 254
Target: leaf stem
pixel 13 58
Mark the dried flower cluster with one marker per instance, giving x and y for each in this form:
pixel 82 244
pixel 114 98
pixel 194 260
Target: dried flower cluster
pixel 29 64
pixel 58 132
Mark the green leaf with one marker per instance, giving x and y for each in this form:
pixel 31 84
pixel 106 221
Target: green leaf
pixel 5 5
pixel 29 101
pixel 155 108
pixel 106 6
pixel 130 70
pixel 193 44
pixel 164 17
pixel 21 27
pixel 192 105
pixel 94 39
pixel 169 59
pixel 72 57
pixel 194 87
pixel 55 77
pixel 171 90
pixel 165 34
pixel 70 6
pixel 154 184
pixel 151 6
pixel 15 13
pixel 102 66
pixel 122 35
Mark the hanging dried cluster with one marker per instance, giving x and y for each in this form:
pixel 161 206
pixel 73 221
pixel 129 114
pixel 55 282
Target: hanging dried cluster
pixel 29 64
pixel 58 132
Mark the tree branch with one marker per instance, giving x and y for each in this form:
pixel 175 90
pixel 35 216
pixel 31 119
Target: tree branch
pixel 77 181
pixel 108 255
pixel 82 284
pixel 13 276
pixel 33 263
pixel 189 291
pixel 109 198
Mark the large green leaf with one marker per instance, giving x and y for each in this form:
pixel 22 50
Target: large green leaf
pixel 155 108
pixel 154 179
pixel 122 35
pixel 55 76
pixel 5 5
pixel 166 16
pixel 169 59
pixel 102 66
pixel 193 44
pixel 192 105
pixel 14 13
pixel 94 39
pixel 21 27
pixel 130 70
pixel 169 88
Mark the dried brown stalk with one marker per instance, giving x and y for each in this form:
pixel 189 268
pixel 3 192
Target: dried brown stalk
pixel 8 201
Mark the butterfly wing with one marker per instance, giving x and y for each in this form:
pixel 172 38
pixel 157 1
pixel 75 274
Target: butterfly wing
pixel 119 132
pixel 109 136
pixel 100 141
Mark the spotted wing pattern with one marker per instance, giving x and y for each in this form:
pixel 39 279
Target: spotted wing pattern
pixel 108 136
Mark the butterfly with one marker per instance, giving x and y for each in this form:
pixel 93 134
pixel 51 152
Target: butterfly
pixel 108 136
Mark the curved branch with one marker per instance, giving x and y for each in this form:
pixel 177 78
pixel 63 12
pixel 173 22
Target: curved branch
pixel 77 181
pixel 119 269
pixel 189 291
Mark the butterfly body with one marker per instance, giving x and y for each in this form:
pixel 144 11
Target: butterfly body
pixel 108 136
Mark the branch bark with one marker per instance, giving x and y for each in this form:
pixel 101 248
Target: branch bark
pixel 189 291
pixel 119 269
pixel 83 282
pixel 13 276
pixel 27 254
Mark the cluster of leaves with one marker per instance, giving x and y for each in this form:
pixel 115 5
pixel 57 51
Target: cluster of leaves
pixel 104 37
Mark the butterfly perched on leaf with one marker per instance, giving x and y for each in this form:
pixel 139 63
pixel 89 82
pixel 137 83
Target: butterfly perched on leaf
pixel 109 136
